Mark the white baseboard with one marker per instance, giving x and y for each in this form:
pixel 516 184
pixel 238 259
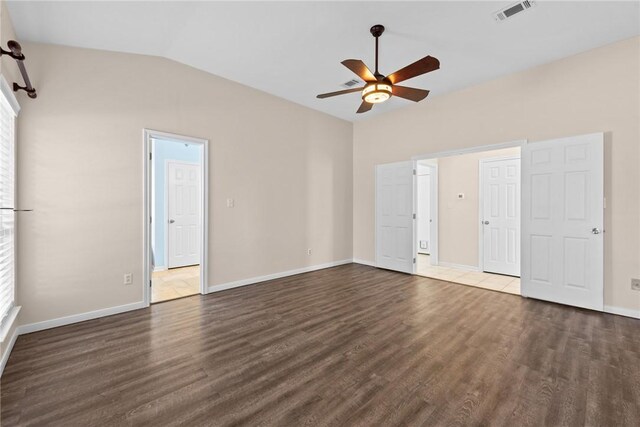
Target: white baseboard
pixel 7 350
pixel 458 266
pixel 253 280
pixel 364 262
pixel 67 320
pixel 622 311
pixel 156 269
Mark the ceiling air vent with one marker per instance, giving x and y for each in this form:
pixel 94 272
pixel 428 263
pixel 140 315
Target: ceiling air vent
pixel 514 9
pixel 351 83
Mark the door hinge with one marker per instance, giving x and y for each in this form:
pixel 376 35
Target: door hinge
pixel 414 172
pixel 150 283
pixel 150 156
pixel 414 260
pixel 414 216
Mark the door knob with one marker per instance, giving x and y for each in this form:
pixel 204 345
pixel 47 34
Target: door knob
pixel 171 221
pixel 486 223
pixel 595 230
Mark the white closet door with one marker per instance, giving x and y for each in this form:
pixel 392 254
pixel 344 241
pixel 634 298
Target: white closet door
pixel 394 217
pixel 501 216
pixel 562 221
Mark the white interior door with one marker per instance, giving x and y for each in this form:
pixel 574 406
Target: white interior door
pixel 183 239
pixel 394 217
pixel 500 180
pixel 562 221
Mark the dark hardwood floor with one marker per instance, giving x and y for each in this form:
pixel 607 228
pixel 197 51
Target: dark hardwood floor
pixel 350 345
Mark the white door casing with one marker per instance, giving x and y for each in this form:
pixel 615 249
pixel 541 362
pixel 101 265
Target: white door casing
pixel 562 221
pixel 395 249
pixel 500 215
pixel 183 214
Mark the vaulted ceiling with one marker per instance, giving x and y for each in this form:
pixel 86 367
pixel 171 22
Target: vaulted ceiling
pixel 293 49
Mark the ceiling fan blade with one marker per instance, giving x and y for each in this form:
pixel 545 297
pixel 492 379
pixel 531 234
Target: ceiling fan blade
pixel 410 93
pixel 358 67
pixel 364 107
pixel 340 92
pixel 421 66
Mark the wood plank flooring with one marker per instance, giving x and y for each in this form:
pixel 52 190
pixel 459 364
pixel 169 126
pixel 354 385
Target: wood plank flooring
pixel 350 345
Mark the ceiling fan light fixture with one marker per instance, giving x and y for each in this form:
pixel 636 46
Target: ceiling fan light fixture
pixel 378 88
pixel 375 93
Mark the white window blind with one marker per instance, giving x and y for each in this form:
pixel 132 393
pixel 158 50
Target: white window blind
pixel 7 215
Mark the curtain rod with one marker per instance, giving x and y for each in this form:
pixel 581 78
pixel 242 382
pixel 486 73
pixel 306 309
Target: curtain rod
pixel 15 51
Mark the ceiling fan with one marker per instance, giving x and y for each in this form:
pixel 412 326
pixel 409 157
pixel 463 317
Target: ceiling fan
pixel 379 88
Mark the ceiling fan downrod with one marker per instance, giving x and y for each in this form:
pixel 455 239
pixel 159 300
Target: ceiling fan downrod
pixel 376 31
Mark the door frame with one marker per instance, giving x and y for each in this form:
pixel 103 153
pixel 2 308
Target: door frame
pixel 147 136
pixel 166 203
pixel 448 153
pixel 433 207
pixel 481 196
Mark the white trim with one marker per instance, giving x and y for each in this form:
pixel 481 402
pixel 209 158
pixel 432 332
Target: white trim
pixel 434 202
pixel 433 214
pixel 364 262
pixel 621 311
pixel 414 209
pixel 8 321
pixel 75 318
pixel 253 280
pixel 481 196
pixel 147 135
pixel 7 350
pixel 154 212
pixel 459 266
pixel 157 269
pixel 477 149
pixel 9 95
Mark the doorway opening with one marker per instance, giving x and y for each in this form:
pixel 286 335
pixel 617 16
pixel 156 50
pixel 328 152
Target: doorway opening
pixel 559 204
pixel 468 218
pixel 176 205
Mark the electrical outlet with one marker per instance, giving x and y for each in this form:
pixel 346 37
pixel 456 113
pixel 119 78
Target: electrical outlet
pixel 635 284
pixel 309 251
pixel 128 278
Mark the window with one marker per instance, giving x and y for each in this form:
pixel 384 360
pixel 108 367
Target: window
pixel 8 113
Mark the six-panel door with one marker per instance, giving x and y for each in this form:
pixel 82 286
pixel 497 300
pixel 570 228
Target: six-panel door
pixel 394 217
pixel 501 215
pixel 183 214
pixel 562 221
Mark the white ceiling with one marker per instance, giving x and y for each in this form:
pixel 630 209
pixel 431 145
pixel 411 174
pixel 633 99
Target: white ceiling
pixel 293 49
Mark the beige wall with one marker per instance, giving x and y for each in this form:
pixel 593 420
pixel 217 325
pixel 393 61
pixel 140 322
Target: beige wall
pixel 597 91
pixel 288 168
pixel 458 219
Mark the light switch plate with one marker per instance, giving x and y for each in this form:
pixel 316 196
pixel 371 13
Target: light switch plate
pixel 128 278
pixel 230 203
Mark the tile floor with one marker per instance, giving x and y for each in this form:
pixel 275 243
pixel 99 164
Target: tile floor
pixel 494 282
pixel 175 283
